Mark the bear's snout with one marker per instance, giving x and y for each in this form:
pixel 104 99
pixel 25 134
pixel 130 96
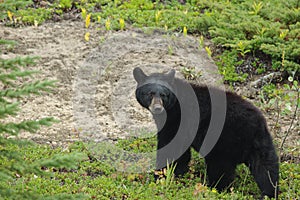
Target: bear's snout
pixel 156 106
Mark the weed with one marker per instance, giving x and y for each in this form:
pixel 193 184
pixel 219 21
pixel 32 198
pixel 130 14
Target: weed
pixel 208 51
pixel 107 24
pixel 169 176
pixel 170 50
pixel 201 42
pixel 83 13
pixel 190 73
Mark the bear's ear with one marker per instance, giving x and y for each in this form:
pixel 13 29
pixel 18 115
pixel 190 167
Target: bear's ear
pixel 139 75
pixel 171 75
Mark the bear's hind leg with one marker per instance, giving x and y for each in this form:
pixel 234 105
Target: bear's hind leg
pixel 220 174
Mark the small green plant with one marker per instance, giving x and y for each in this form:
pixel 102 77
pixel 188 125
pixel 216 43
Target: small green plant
pixel 83 13
pixel 168 176
pixel 108 24
pixel 242 48
pixel 256 7
pixel 208 51
pixel 170 50
pixel 190 73
pixel 227 64
pixel 65 4
pixel 201 42
pixel 157 16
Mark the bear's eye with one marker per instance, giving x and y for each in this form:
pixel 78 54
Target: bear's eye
pixel 151 94
pixel 164 95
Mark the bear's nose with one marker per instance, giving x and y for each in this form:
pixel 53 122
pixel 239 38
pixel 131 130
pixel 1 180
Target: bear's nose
pixel 157 109
pixel 156 106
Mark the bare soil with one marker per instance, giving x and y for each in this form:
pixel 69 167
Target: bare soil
pixel 94 98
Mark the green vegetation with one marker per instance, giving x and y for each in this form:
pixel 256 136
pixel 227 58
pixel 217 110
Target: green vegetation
pixel 266 32
pixel 19 158
pixel 98 180
pixel 249 38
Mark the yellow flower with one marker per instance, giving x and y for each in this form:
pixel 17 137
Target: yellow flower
pixel 208 51
pixel 122 23
pixel 283 34
pixel 184 31
pixel 87 36
pixel 87 20
pixel 214 190
pixel 10 15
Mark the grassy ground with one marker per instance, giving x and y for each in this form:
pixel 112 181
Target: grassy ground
pixel 249 38
pixel 96 179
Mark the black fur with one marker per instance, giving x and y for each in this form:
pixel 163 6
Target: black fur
pixel 244 139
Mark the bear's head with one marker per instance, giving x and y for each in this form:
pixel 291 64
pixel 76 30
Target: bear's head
pixel 156 91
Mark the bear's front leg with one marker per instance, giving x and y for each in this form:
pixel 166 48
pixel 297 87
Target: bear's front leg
pixel 181 164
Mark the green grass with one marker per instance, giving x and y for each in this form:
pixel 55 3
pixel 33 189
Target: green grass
pixel 94 179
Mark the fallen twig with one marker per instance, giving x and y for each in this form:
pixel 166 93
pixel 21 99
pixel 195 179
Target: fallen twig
pixel 265 79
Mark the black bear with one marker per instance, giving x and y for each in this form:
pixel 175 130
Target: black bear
pixel 243 137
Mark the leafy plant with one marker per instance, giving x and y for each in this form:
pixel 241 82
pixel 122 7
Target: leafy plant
pixel 65 4
pixel 227 64
pixel 12 6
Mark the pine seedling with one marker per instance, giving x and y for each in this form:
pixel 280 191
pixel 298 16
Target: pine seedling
pixel 12 90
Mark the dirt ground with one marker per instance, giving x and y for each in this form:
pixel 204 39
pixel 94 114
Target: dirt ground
pixel 94 98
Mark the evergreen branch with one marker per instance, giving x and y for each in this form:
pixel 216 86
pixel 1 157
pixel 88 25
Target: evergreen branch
pixel 14 75
pixel 68 161
pixel 27 89
pixel 29 125
pixel 18 61
pixel 8 42
pixel 4 175
pixel 8 109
